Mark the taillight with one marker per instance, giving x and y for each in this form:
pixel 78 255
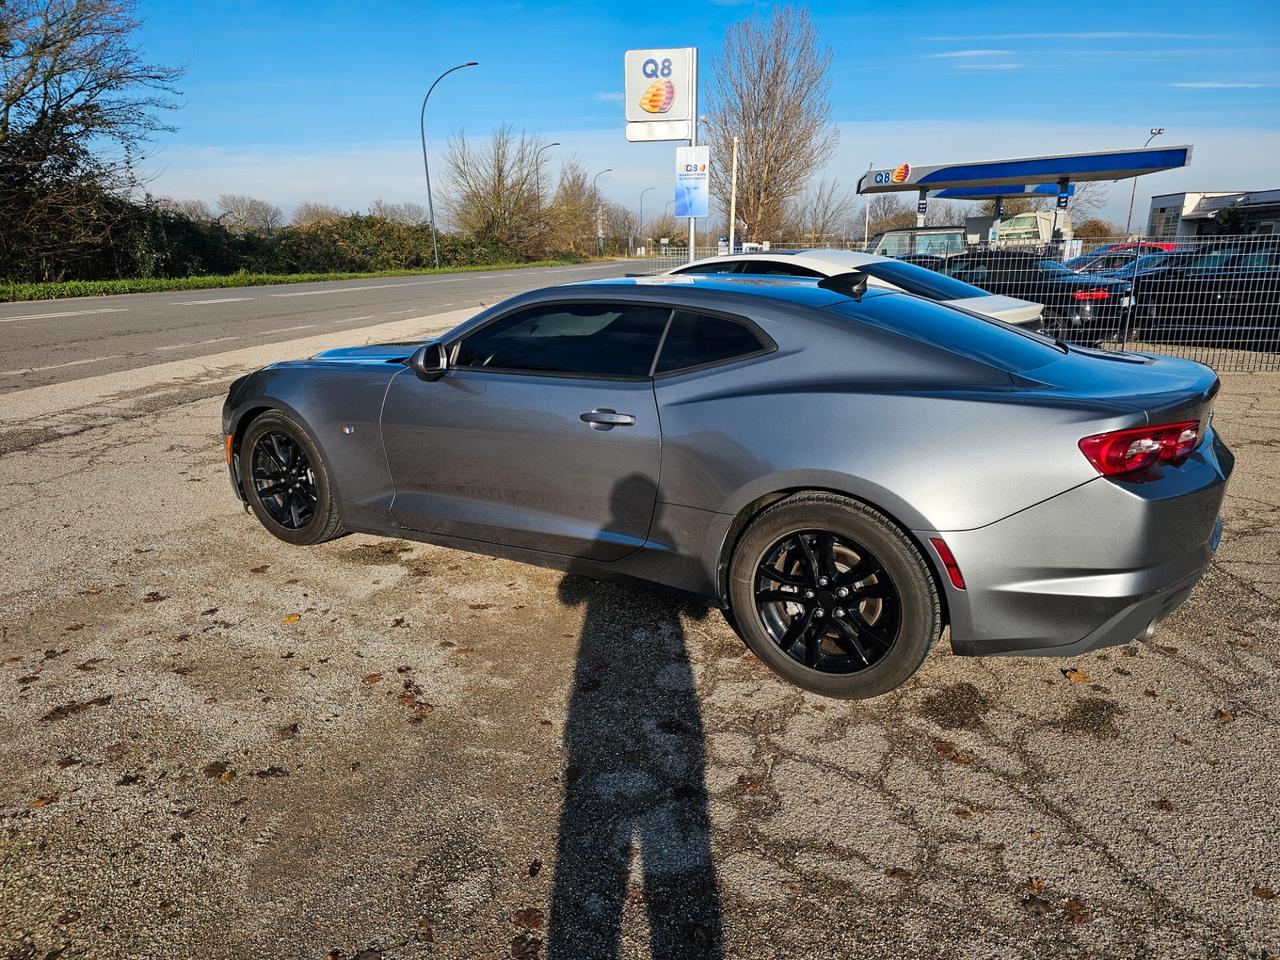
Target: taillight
pixel 1126 451
pixel 1091 295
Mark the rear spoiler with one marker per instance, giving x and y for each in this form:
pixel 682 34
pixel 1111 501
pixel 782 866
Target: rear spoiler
pixel 851 284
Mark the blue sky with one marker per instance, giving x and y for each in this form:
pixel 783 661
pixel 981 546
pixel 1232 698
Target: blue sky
pixel 319 101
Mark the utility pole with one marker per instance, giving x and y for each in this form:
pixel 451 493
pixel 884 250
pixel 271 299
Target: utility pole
pixel 641 224
pixel 1128 221
pixel 422 130
pixel 866 215
pixel 733 196
pixel 595 195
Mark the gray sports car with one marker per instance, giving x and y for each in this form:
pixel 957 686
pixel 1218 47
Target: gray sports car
pixel 844 471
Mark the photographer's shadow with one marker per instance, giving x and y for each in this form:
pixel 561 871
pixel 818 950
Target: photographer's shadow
pixel 634 825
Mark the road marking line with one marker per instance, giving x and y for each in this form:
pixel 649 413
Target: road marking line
pixel 56 366
pixel 196 303
pixel 305 326
pixel 198 343
pixel 67 313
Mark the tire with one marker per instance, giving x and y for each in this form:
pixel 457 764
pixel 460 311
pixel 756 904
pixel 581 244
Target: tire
pixel 890 605
pixel 305 511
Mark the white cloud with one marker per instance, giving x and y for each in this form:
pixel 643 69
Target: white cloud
pixel 966 54
pixel 611 96
pixel 1102 35
pixel 988 66
pixel 1216 85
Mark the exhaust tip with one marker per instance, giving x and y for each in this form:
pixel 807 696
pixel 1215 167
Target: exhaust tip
pixel 1147 632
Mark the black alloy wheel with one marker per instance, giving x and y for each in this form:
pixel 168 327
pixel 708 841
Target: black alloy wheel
pixel 283 479
pixel 827 602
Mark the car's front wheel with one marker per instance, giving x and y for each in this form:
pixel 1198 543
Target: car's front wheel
pixel 286 482
pixel 833 596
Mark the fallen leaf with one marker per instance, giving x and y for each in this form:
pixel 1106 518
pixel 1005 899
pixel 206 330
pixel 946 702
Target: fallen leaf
pixel 74 627
pixel 42 801
pixel 371 678
pixel 1223 715
pixel 261 569
pixel 530 918
pixel 271 771
pixel 1035 884
pixel 426 930
pixel 479 606
pixel 216 769
pixel 89 665
pixel 289 731
pixel 535 867
pixel 91 592
pixel 525 947
pixel 71 709
pixel 1166 648
pixel 1076 676
pixel 1077 911
pixel 898 873
pixel 1263 893
pixel 1035 905
pixel 1165 805
pixel 155 596
pixel 209 613
pixel 292 617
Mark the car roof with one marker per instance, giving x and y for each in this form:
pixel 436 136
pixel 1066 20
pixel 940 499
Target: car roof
pixel 803 291
pixel 813 257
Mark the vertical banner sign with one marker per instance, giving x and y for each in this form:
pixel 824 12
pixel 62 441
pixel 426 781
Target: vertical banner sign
pixel 693 182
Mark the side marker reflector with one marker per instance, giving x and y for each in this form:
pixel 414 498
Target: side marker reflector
pixel 228 445
pixel 948 561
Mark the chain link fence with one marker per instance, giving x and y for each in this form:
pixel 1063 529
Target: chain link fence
pixel 1211 299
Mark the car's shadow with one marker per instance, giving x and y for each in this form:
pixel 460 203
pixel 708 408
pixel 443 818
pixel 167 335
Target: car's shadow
pixel 634 825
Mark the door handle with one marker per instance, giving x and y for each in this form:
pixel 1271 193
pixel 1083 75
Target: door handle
pixel 605 418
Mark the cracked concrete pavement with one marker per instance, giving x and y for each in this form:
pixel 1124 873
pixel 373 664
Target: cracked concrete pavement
pixel 217 745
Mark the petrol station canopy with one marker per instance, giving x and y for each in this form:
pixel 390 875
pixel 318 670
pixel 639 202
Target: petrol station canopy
pixel 1023 174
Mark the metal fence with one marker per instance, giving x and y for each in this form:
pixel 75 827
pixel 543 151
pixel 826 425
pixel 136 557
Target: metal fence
pixel 1211 299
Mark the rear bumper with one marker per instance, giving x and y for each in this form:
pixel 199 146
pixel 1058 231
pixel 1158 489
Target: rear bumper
pixel 1091 567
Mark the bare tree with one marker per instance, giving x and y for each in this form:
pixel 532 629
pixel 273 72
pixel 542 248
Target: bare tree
pixel 493 194
pixel 309 212
pixel 769 88
pixel 571 215
pixel 822 213
pixel 410 214
pixel 245 214
pixel 889 211
pixel 77 101
pixel 191 209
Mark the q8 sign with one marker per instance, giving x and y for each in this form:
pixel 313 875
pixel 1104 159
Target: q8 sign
pixel 660 84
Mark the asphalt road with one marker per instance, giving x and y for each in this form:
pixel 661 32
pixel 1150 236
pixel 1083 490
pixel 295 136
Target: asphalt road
pixel 53 341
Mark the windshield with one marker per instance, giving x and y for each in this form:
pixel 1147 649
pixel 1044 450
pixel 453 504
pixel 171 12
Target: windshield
pixel 921 281
pixel 1053 266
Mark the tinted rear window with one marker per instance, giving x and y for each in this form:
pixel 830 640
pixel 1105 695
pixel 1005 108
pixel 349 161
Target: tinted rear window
pixel 696 339
pixel 984 340
pixel 922 281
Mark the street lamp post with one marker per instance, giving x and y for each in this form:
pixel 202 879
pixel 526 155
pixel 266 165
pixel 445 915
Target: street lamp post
pixel 595 195
pixel 866 215
pixel 537 169
pixel 422 130
pixel 642 193
pixel 1128 222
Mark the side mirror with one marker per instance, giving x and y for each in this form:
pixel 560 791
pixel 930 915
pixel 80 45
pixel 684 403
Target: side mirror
pixel 429 362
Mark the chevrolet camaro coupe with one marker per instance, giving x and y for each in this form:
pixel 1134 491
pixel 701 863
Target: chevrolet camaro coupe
pixel 843 470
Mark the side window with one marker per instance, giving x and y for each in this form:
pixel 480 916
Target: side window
pixel 695 339
pixel 722 266
pixel 972 271
pixel 776 268
pixel 587 339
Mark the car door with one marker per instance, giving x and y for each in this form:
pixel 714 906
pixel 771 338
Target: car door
pixel 542 435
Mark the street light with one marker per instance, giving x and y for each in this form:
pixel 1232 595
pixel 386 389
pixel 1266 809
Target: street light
pixel 595 194
pixel 1128 222
pixel 538 167
pixel 642 193
pixel 422 129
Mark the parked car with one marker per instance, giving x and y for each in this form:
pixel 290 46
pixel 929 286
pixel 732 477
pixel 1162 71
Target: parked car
pixel 887 272
pixel 844 470
pixel 1115 257
pixel 1077 307
pixel 1224 292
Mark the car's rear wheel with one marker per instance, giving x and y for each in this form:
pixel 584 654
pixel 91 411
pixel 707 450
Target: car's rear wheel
pixel 833 596
pixel 286 482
